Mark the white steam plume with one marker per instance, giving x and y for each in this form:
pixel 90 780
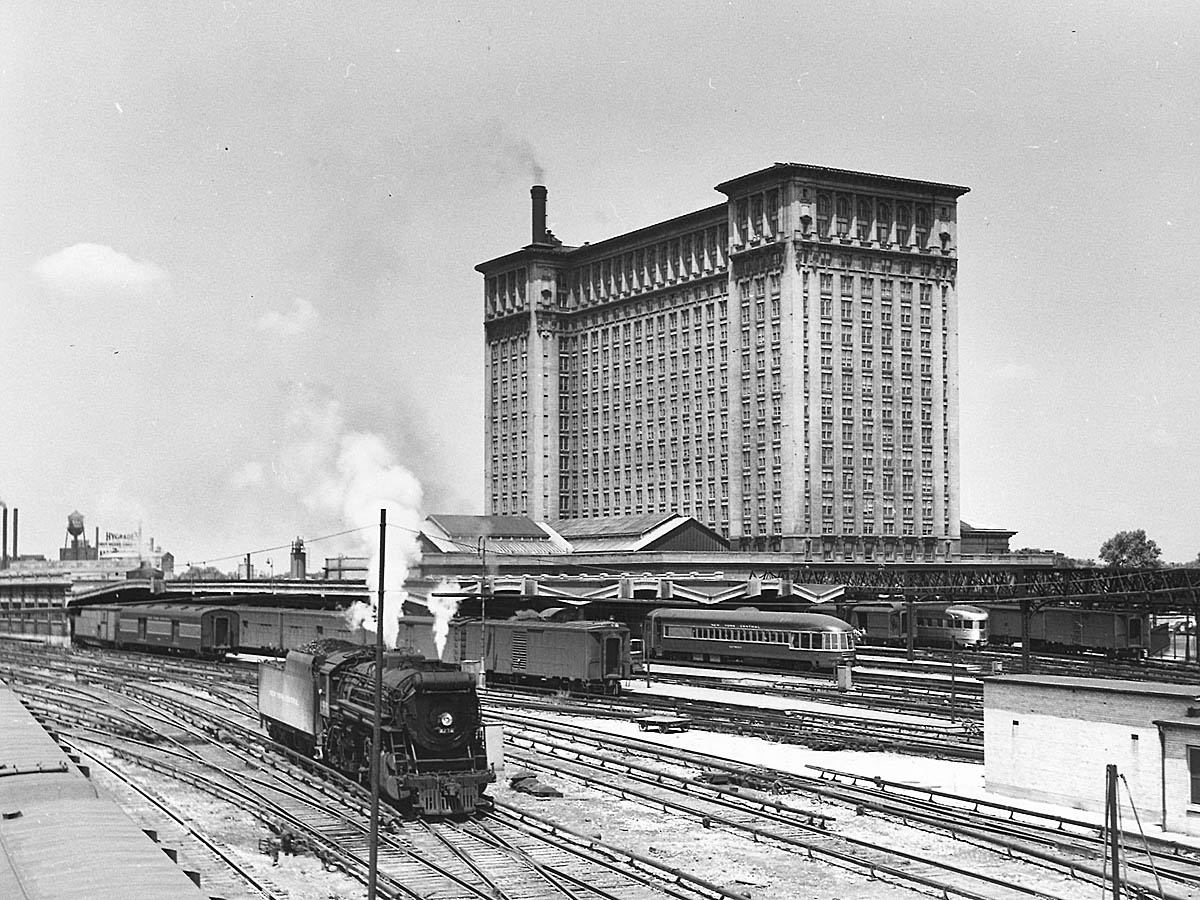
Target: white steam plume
pixel 371 480
pixel 443 610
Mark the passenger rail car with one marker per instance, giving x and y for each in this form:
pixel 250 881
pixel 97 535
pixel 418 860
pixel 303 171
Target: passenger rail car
pixel 935 624
pixel 188 630
pixel 588 657
pixel 433 759
pixel 792 640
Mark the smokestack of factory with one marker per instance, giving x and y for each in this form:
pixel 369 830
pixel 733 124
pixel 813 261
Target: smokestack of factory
pixel 4 538
pixel 16 512
pixel 538 193
pixel 299 559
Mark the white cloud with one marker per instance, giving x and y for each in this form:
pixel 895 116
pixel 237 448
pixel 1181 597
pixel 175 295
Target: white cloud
pixel 297 320
pixel 1014 372
pixel 248 475
pixel 95 267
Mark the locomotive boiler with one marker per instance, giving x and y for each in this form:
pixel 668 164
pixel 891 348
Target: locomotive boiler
pixel 432 759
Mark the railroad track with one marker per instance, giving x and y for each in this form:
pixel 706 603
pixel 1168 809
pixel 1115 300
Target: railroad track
pixel 813 728
pixel 1053 847
pixel 131 724
pixel 883 695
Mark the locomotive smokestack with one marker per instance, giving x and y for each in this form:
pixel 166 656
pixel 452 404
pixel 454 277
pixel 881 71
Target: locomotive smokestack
pixel 538 193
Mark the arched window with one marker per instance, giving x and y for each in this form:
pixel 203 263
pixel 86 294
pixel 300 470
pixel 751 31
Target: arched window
pixel 903 225
pixel 823 210
pixel 883 224
pixel 864 220
pixel 843 217
pixel 922 226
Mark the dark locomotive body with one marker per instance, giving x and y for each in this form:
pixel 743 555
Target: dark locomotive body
pixel 433 756
pixel 789 639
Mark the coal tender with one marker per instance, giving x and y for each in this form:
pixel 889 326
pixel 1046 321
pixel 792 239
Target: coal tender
pixel 320 702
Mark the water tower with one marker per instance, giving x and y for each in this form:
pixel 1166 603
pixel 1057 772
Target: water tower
pixel 73 547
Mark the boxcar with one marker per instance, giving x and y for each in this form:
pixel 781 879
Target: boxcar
pixel 791 640
pixel 274 630
pixel 1114 632
pixel 937 624
pixel 161 627
pixel 582 656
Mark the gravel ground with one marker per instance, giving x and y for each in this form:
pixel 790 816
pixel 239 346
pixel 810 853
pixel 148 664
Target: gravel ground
pixel 759 871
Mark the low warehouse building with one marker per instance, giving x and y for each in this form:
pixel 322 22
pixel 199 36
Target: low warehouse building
pixel 1049 738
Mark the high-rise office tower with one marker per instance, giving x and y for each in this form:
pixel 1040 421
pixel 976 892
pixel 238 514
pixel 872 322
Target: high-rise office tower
pixel 783 366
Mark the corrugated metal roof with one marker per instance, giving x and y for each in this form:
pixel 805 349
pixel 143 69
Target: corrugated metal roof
pixel 612 527
pixel 67 850
pixel 32 766
pixel 488 526
pixel 58 840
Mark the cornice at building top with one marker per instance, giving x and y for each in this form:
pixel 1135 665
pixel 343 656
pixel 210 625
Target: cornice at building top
pixel 562 255
pixel 780 171
pixel 554 254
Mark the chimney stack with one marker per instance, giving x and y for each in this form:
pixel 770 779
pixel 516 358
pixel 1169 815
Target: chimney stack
pixel 299 559
pixel 538 193
pixel 4 539
pixel 15 512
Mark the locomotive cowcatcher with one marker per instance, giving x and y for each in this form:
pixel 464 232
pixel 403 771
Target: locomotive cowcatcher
pixel 433 758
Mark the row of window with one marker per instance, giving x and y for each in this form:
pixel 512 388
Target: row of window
pixel 797 640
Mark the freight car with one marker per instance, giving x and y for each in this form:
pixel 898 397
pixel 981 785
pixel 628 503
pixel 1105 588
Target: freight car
pixel 1113 632
pixel 275 630
pixel 793 640
pixel 189 630
pixel 936 624
pixel 587 657
pixel 433 759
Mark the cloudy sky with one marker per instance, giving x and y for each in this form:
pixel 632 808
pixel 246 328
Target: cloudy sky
pixel 238 237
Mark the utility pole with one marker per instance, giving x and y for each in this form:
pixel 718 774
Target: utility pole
pixel 376 729
pixel 1111 821
pixel 910 626
pixel 483 592
pixel 1026 615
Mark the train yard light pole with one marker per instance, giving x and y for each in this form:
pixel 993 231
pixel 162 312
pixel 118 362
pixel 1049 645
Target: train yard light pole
pixel 376 726
pixel 483 592
pixel 910 628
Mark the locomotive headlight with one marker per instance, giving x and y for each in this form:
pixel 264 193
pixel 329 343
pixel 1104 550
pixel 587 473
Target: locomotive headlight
pixel 446 720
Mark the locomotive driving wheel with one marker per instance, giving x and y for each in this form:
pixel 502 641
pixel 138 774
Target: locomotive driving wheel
pixel 342 751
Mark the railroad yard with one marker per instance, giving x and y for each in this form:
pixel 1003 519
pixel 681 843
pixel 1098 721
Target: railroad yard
pixel 700 783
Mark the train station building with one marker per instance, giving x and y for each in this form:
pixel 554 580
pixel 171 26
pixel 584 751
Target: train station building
pixel 1050 738
pixel 781 366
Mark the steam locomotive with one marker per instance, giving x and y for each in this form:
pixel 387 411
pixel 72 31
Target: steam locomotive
pixel 320 701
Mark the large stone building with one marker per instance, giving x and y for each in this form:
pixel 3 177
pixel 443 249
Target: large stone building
pixel 783 366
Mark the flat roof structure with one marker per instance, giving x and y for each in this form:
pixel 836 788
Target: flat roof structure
pixel 58 839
